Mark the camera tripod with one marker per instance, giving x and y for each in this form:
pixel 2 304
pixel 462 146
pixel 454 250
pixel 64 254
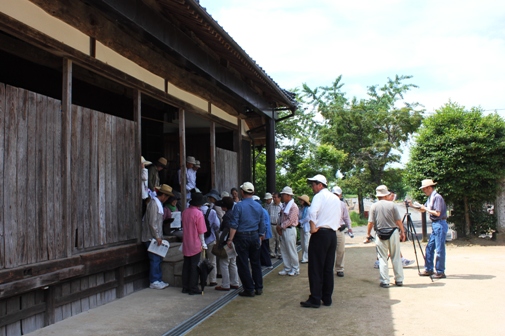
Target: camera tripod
pixel 410 232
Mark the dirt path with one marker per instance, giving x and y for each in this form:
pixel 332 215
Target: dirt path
pixel 470 301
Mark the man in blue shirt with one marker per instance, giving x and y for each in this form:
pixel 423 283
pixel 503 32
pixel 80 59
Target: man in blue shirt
pixel 435 206
pixel 247 230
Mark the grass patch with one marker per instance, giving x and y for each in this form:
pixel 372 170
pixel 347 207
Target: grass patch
pixel 357 220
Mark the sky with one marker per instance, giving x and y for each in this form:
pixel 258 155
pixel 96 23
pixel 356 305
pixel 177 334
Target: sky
pixel 455 50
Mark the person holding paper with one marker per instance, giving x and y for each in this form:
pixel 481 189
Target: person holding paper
pixel 152 228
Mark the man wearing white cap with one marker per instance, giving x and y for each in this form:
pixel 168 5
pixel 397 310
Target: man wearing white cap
pixel 435 206
pixel 287 231
pixel 385 218
pixel 190 177
pixel 247 230
pixel 324 219
pixel 344 224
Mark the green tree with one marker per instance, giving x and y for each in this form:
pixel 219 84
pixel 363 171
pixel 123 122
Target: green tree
pixel 369 131
pixel 464 151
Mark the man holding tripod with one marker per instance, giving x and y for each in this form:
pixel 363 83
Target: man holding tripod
pixel 385 219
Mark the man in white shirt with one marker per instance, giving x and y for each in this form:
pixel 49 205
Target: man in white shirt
pixel 324 219
pixel 190 177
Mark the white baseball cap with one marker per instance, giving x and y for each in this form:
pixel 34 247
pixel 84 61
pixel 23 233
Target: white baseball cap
pixel 336 190
pixel 247 187
pixel 318 178
pixel 287 190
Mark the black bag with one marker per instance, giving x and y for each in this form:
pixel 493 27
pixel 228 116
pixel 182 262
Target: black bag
pixel 385 234
pixel 207 224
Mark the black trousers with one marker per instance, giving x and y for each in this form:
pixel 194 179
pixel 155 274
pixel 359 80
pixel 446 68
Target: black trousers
pixel 265 253
pixel 248 251
pixel 190 273
pixel 322 246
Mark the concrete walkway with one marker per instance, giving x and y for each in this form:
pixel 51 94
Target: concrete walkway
pixel 469 301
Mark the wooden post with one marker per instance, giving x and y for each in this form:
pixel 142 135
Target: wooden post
pixel 137 116
pixel 239 152
pixel 66 130
pixel 270 157
pixel 49 300
pixel 182 155
pixel 213 154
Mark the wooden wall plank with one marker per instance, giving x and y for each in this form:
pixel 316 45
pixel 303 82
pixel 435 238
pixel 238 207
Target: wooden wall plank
pixel 75 287
pixel 21 177
pixel 92 298
pixel 76 166
pixel 85 166
pixel 113 219
pixel 134 188
pixel 102 136
pixel 85 301
pixel 31 215
pixel 10 179
pixel 93 191
pixel 2 161
pixel 66 127
pixel 41 181
pixel 13 306
pixel 28 324
pixel 119 180
pixel 50 172
pixel 66 310
pixel 60 225
pixel 108 180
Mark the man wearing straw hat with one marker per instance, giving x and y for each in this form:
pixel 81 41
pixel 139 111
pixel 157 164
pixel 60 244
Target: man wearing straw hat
pixel 154 177
pixel 152 228
pixel 435 206
pixel 287 231
pixel 384 216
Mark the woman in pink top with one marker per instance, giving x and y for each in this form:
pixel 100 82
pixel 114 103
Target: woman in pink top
pixel 193 228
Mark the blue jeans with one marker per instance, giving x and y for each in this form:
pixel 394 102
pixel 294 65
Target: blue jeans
pixel 436 242
pixel 154 265
pixel 248 251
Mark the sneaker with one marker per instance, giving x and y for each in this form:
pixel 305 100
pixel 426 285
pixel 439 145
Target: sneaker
pixel 293 273
pixel 376 265
pixel 438 276
pixel 426 273
pixel 399 283
pixel 304 261
pixel 340 274
pixel 283 273
pixel 156 285
pixel 384 285
pixel 406 262
pixel 165 285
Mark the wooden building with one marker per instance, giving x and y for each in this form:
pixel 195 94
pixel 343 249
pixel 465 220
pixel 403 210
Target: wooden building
pixel 86 87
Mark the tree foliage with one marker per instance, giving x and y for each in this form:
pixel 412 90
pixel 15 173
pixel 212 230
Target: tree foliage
pixel 369 131
pixel 464 151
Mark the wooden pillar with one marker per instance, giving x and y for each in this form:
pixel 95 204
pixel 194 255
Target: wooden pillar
pixel 213 154
pixel 49 314
pixel 239 152
pixel 270 155
pixel 66 130
pixel 182 155
pixel 137 116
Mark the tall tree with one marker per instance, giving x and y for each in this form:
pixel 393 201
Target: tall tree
pixel 464 151
pixel 370 131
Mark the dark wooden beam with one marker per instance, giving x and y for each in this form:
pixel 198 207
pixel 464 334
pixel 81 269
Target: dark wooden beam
pixel 25 285
pixel 137 113
pixel 130 40
pixel 182 155
pixel 66 130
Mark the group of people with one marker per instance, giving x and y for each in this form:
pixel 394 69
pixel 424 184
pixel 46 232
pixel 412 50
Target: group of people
pixel 237 222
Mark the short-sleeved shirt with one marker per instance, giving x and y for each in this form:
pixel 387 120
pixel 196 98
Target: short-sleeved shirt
pixel 193 224
pixel 324 211
pixel 384 214
pixel 436 202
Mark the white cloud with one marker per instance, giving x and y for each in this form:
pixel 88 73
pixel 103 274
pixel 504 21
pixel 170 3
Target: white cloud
pixel 454 49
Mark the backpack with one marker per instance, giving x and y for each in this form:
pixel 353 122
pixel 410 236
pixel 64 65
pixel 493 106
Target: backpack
pixel 207 223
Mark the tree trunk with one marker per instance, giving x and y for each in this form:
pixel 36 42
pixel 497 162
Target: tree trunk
pixel 361 206
pixel 467 217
